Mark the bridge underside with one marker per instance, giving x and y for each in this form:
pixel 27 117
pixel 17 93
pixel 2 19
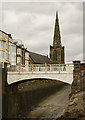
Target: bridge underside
pixel 16 77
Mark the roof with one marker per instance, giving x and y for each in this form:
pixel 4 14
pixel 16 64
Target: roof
pixel 6 33
pixel 38 58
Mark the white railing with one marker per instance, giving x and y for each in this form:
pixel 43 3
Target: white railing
pixel 42 68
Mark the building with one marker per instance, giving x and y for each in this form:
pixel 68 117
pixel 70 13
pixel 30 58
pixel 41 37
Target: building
pixel 4 47
pixel 22 55
pixel 19 55
pixel 38 58
pixel 57 50
pixel 26 57
pixel 11 51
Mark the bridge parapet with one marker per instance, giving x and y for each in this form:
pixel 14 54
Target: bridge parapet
pixel 37 68
pixel 62 72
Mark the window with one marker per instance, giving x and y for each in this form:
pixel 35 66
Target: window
pixel 6 56
pixel 1 33
pixel 27 54
pixel 26 62
pixel 18 59
pixel 2 55
pixel 50 55
pixel 6 46
pixel 2 44
pixel 13 59
pixel 14 49
pixel 19 51
pixel 55 55
pixel 62 55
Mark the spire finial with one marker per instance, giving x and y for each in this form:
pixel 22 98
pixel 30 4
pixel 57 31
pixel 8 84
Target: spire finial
pixel 57 14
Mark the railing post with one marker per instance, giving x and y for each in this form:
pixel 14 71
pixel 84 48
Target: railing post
pixel 50 67
pixel 28 67
pixel 45 67
pixel 59 67
pixel 19 67
pixel 32 68
pixel 39 68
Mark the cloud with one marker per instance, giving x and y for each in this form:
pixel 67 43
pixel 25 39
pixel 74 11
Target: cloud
pixel 33 23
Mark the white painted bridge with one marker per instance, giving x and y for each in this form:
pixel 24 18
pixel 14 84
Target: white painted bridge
pixel 61 72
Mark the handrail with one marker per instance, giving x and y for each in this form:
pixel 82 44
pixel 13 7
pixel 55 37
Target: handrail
pixel 43 65
pixel 41 68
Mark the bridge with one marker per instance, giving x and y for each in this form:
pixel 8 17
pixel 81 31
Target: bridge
pixel 20 96
pixel 61 72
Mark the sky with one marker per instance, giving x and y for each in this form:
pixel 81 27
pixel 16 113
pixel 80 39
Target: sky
pixel 33 23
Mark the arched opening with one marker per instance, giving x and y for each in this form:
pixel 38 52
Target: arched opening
pixel 27 94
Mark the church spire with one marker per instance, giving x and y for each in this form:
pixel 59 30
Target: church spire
pixel 57 38
pixel 57 50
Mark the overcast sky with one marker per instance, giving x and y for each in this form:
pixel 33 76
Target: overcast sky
pixel 33 23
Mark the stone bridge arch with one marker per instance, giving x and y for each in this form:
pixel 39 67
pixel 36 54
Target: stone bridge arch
pixel 67 78
pixel 63 73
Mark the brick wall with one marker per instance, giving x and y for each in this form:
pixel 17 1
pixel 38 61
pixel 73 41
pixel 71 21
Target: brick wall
pixel 78 77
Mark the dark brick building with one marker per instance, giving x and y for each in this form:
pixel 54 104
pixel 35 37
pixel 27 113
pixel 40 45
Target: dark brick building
pixel 57 50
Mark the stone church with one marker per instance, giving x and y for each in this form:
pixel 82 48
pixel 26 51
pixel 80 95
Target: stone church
pixel 57 50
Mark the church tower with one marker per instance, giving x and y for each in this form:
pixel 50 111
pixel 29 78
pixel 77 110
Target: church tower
pixel 57 50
